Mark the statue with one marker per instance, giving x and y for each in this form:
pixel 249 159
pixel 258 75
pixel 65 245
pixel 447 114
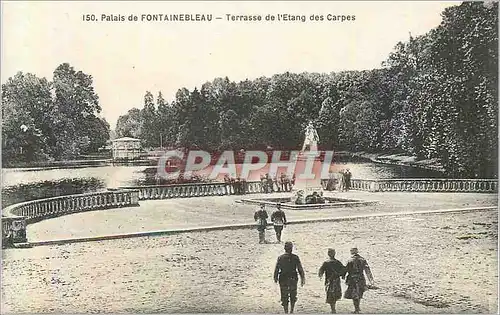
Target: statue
pixel 300 198
pixel 312 138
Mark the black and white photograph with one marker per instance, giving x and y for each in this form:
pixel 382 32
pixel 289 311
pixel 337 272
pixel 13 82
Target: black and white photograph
pixel 266 157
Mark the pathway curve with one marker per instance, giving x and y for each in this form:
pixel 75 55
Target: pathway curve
pixel 228 272
pixel 184 213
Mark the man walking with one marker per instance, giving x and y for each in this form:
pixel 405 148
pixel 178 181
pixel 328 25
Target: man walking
pixel 333 270
pixel 285 273
pixel 260 217
pixel 279 221
pixel 356 267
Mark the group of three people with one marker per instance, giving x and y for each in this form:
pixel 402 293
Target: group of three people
pixel 289 265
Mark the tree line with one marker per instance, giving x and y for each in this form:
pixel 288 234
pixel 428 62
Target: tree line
pixel 50 120
pixel 435 97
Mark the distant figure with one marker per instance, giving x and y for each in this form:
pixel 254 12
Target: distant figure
pixel 348 176
pixel 269 182
pixel 261 217
pixel 333 270
pixel 244 186
pixel 356 267
pixel 263 183
pixel 279 221
pixel 332 182
pixel 285 273
pixel 283 182
pixel 238 186
pixel 342 181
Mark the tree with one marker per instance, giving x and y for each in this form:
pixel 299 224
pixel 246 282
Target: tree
pixel 26 119
pixel 130 124
pixel 150 133
pixel 75 101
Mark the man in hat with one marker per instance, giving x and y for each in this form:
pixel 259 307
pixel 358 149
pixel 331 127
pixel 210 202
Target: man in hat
pixel 279 221
pixel 356 267
pixel 333 270
pixel 261 217
pixel 285 273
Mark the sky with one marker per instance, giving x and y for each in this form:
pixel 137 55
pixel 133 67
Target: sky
pixel 128 58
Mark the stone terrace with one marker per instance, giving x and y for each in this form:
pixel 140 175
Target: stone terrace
pixel 179 213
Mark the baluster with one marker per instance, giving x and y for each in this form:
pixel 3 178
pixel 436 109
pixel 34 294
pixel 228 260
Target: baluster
pixel 107 200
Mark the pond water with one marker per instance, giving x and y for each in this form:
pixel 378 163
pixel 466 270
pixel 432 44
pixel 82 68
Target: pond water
pixel 22 185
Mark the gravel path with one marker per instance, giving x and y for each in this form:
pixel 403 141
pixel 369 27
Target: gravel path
pixel 209 211
pixel 439 263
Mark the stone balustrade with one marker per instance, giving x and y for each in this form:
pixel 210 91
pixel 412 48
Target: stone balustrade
pixel 424 185
pixel 15 217
pixel 200 190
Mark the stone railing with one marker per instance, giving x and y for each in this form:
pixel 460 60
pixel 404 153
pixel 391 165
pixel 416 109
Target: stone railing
pixel 203 189
pixel 424 185
pixel 15 217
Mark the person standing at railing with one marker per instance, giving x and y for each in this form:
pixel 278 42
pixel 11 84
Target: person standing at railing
pixel 244 186
pixel 342 180
pixel 332 182
pixel 348 176
pixel 270 183
pixel 260 216
pixel 283 182
pixel 263 183
pixel 227 182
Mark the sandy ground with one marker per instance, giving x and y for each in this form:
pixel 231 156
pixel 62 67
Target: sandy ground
pixel 444 263
pixel 209 211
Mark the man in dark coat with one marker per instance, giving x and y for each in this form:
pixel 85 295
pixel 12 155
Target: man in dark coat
pixel 356 267
pixel 260 216
pixel 279 221
pixel 333 270
pixel 285 273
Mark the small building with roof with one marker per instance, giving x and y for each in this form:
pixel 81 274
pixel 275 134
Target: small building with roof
pixel 126 148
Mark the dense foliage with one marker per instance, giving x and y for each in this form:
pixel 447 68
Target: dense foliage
pixel 56 120
pixel 435 97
